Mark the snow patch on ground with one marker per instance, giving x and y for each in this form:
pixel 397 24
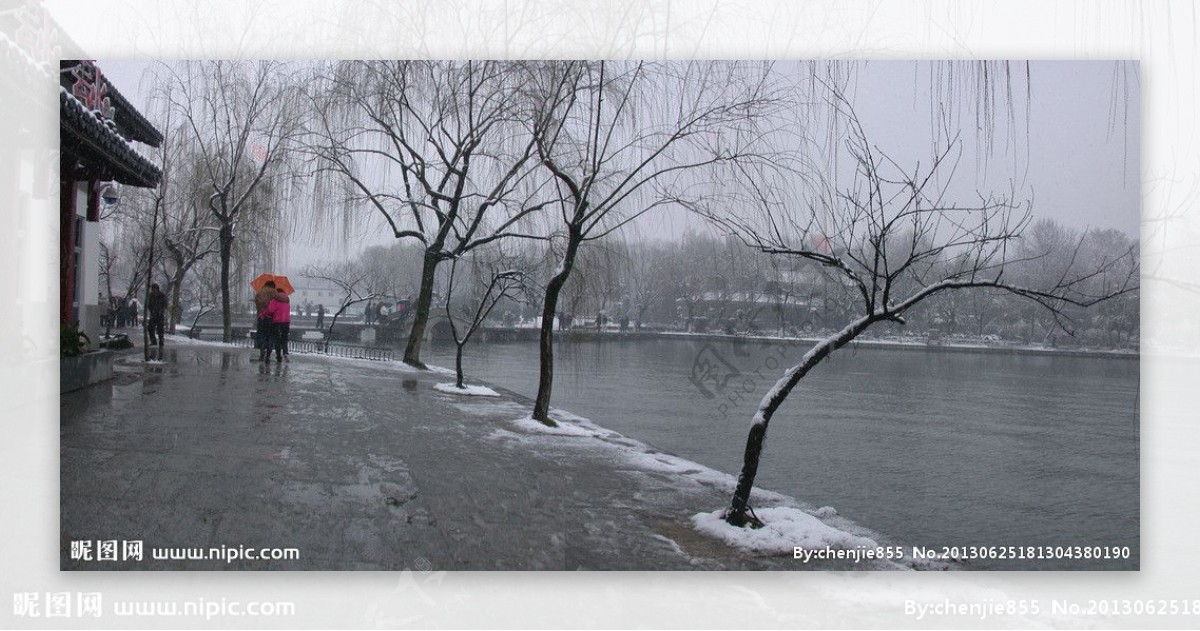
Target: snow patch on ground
pixel 564 428
pixel 180 340
pixel 785 529
pixel 825 512
pixel 470 391
pixel 505 435
pixel 488 407
pixel 132 359
pixel 672 544
pixel 645 459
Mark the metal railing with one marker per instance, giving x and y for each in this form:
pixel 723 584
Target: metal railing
pixel 374 353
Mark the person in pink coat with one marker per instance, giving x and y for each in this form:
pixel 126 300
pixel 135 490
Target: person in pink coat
pixel 280 312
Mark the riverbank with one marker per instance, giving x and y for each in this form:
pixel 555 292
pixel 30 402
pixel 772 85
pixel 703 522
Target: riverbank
pixel 915 345
pixel 360 464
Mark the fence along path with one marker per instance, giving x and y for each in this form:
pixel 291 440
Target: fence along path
pixel 331 349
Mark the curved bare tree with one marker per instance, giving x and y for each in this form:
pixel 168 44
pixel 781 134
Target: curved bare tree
pixel 893 236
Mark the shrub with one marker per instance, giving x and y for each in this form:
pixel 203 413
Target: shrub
pixel 72 341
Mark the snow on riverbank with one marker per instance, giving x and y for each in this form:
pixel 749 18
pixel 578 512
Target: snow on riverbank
pixel 790 522
pixel 785 528
pixel 562 429
pixel 920 344
pixel 469 391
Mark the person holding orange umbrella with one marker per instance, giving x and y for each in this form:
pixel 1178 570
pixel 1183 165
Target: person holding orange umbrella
pixel 266 288
pixel 280 313
pixel 263 294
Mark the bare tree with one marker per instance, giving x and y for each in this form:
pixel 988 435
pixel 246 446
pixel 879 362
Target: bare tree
pixel 130 251
pixel 641 285
pixel 204 294
pixel 241 118
pixel 356 282
pixel 495 281
pixel 438 150
pixel 189 233
pixel 896 240
pixel 621 139
pixel 108 263
pixel 595 283
pixel 782 290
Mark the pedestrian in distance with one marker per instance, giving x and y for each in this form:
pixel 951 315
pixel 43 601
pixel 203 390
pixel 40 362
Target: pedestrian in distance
pixel 134 307
pixel 280 311
pixel 112 311
pixel 320 316
pixel 156 314
pixel 265 328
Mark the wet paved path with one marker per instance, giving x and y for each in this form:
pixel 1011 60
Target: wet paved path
pixel 363 465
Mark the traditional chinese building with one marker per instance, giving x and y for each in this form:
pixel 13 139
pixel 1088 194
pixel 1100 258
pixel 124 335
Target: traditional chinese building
pixel 98 128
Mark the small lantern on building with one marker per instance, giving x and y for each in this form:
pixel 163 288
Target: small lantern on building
pixel 110 194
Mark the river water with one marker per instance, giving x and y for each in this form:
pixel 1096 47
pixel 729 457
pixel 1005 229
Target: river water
pixel 930 448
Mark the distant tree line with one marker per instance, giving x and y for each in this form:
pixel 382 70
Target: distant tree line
pixel 713 283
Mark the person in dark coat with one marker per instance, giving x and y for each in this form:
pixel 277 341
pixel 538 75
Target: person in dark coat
pixel 265 329
pixel 320 316
pixel 122 309
pixel 156 314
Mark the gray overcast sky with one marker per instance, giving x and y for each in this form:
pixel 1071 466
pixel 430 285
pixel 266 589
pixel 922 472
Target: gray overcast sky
pixel 1083 165
pixel 1083 157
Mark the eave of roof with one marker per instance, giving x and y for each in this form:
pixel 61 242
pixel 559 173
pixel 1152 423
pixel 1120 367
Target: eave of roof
pixel 100 148
pixel 139 128
pixel 128 117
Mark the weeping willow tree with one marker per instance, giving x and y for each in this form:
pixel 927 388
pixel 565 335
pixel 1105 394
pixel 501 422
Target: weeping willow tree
pixel 622 139
pixel 240 120
pixel 188 229
pixel 438 151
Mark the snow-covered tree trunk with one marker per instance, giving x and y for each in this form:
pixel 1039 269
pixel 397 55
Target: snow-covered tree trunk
pixel 541 404
pixel 738 509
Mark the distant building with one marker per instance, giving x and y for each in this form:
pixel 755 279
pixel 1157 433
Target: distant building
pixel 98 128
pixel 313 293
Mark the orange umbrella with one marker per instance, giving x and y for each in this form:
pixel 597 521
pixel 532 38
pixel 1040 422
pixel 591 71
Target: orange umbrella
pixel 281 282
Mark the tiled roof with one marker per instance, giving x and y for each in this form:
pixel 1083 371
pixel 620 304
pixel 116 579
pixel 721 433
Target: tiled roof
pixel 100 150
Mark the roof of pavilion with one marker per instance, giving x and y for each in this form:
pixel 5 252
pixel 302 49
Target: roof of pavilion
pixel 98 127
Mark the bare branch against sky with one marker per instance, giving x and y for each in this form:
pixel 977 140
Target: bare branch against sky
pixel 1063 135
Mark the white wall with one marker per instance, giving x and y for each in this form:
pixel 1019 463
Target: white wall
pixel 88 265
